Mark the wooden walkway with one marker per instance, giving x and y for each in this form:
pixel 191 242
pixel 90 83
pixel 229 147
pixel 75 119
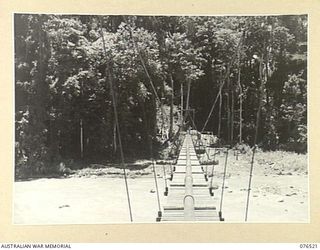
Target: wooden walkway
pixel 189 198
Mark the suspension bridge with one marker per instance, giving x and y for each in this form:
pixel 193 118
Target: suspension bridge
pixel 189 195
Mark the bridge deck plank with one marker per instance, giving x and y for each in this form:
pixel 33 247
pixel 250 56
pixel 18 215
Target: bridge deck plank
pixel 204 203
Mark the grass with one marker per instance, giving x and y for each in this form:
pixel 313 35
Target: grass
pixel 284 162
pixel 270 162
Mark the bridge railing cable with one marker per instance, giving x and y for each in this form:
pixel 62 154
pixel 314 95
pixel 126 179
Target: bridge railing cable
pixel 108 69
pixel 250 180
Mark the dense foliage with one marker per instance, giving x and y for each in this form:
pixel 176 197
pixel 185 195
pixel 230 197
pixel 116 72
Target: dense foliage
pixel 63 105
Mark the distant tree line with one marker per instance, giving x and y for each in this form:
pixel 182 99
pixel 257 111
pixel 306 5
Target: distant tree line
pixel 228 66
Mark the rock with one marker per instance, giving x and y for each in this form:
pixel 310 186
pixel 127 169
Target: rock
pixel 291 194
pixel 64 206
pixel 63 170
pixel 280 200
pixel 152 191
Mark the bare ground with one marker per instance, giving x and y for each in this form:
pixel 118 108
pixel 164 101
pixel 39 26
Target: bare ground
pixel 97 196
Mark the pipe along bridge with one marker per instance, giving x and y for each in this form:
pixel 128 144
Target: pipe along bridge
pixel 189 196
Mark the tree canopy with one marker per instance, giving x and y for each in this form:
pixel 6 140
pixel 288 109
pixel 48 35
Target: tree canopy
pixel 232 65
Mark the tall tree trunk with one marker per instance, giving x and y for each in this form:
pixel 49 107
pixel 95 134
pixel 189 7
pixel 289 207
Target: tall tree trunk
pixel 261 94
pixel 231 114
pixel 41 100
pixel 81 138
pixel 240 101
pixel 219 115
pixel 228 104
pixel 115 129
pixel 145 123
pixel 240 115
pixel 171 107
pixel 181 105
pixel 115 147
pixel 81 120
pixel 220 103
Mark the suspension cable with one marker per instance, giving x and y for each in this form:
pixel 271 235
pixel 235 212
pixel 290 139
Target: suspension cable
pixel 250 180
pixel 171 171
pixel 155 177
pixel 212 170
pixel 156 183
pixel 213 105
pixel 162 115
pixel 116 118
pixel 193 123
pixel 262 83
pixel 201 143
pixel 165 180
pixel 222 84
pixel 146 71
pixel 223 183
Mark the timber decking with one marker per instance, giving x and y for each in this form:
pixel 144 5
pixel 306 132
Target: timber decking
pixel 189 196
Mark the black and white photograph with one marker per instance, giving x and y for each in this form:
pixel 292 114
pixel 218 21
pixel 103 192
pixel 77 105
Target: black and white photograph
pixel 160 119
